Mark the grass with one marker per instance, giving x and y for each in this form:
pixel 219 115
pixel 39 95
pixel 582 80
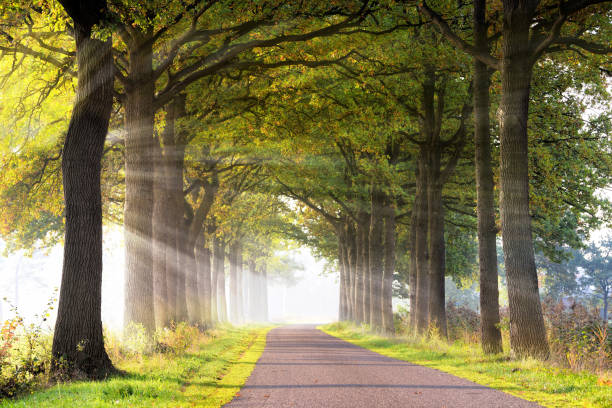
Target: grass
pixel 209 374
pixel 529 379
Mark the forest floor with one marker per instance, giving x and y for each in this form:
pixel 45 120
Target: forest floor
pixel 208 374
pixel 529 379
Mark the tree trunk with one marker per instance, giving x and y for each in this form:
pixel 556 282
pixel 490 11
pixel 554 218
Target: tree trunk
pixel 78 329
pixel 263 290
pixel 491 340
pixel 365 262
pixel 233 260
pixel 421 249
pixel 351 255
pixel 240 299
pixel 359 312
pixel 376 258
pixel 412 277
pixel 253 303
pixel 437 259
pixel 192 296
pixel 139 166
pixel 161 198
pixel 221 298
pixel 527 330
pixel 348 277
pixel 204 281
pixel 387 288
pixel 343 306
pixel 181 277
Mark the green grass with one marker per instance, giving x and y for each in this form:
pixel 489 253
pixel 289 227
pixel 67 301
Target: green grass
pixel 529 379
pixel 208 375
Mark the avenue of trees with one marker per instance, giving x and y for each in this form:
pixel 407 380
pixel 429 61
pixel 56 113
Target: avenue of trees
pixel 397 139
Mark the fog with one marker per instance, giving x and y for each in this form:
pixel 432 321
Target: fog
pixel 30 282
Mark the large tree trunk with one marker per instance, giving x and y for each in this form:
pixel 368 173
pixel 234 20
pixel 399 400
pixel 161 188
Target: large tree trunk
pixel 161 198
pixel 253 291
pixel 491 340
pixel 78 329
pixel 218 266
pixel 365 262
pixel 181 296
pixel 348 276
pixel 204 280
pixel 351 247
pixel 234 295
pixel 387 288
pixel 376 258
pixel 263 293
pixel 421 249
pixel 359 312
pixel 174 157
pixel 343 305
pixel 192 296
pixel 139 166
pixel 412 274
pixel 527 330
pixel 221 298
pixel 437 259
pixel 240 299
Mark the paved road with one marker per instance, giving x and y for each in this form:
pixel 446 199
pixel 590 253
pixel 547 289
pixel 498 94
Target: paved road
pixel 304 367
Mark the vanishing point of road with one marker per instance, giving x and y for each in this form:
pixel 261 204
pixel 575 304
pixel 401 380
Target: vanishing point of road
pixel 304 367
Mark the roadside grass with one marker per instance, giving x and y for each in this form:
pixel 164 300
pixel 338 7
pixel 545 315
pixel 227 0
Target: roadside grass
pixel 208 374
pixel 529 379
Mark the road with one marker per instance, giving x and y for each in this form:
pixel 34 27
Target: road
pixel 304 367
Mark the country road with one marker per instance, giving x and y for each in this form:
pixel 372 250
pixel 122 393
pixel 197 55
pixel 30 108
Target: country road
pixel 304 367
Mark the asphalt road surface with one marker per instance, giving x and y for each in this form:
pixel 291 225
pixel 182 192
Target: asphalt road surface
pixel 304 367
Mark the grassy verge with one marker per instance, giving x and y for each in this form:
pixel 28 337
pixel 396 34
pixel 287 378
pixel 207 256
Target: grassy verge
pixel 207 375
pixel 528 379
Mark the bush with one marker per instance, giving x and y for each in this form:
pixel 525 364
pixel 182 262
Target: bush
pixel 25 353
pixel 578 338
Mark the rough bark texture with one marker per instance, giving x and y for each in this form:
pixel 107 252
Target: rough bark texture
pixel 527 331
pixel 359 312
pixel 139 167
pixel 233 260
pixel 221 298
pixel 387 289
pixel 485 204
pixel 204 280
pixel 365 252
pixel 252 312
pixel 174 158
pixel 376 258
pixel 412 274
pixel 161 198
pixel 78 328
pixel 437 260
pixel 343 305
pixel 421 250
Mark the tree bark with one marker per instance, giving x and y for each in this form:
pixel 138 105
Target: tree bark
pixel 389 268
pixel 437 259
pixel 365 262
pixel 343 305
pixel 233 260
pixel 204 280
pixel 412 277
pixel 491 340
pixel 252 312
pixel 240 299
pixel 161 198
pixel 139 166
pixel 376 258
pixel 220 273
pixel 527 330
pixel 78 329
pixel 359 279
pixel 421 249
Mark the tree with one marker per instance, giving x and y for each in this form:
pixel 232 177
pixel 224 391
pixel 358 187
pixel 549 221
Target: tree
pixel 529 30
pixel 595 265
pixel 78 336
